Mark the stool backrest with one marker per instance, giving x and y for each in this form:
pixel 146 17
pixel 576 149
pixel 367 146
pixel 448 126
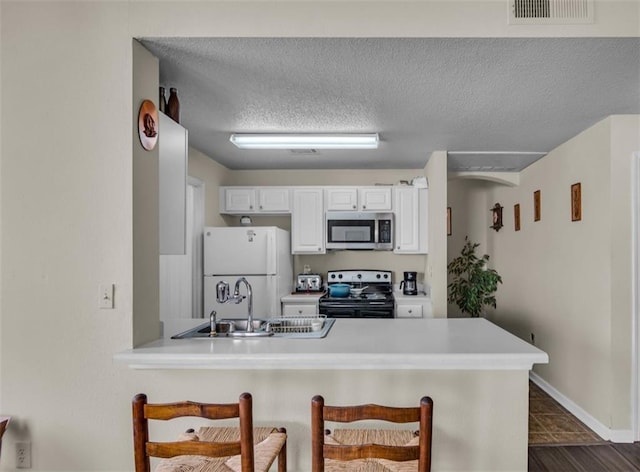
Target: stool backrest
pixel 143 448
pixel 320 451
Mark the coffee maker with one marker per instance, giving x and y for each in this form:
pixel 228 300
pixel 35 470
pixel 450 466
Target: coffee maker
pixel 409 285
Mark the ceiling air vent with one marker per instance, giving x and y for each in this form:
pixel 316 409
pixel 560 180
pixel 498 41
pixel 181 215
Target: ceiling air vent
pixel 303 151
pixel 550 12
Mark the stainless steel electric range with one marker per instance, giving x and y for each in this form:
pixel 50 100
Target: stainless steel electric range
pixel 375 301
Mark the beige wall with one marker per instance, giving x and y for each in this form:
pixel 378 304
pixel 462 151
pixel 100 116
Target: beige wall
pixel 67 199
pixel 568 282
pixel 146 295
pixel 469 216
pixel 213 175
pixel 436 267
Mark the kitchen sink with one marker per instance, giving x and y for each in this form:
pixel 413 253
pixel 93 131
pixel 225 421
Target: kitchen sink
pixel 289 327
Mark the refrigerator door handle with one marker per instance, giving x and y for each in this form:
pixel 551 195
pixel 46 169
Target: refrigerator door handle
pixel 271 253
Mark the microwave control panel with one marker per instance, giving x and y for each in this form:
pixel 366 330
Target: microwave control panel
pixel 384 231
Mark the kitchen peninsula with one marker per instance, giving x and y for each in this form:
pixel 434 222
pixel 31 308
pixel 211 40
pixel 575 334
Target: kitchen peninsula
pixel 476 373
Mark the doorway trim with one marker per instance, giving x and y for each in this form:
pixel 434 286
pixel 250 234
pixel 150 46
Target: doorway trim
pixel 635 302
pixel 197 232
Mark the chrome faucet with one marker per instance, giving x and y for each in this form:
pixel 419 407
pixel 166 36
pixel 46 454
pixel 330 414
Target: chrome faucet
pixel 212 324
pixel 236 295
pixel 222 293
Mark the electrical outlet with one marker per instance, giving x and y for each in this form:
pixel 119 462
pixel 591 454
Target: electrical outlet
pixel 23 455
pixel 105 294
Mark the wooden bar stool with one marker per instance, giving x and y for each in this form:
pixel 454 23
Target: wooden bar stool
pixel 4 422
pixel 211 449
pixel 371 449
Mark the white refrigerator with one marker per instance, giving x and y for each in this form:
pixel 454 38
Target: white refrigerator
pixel 260 254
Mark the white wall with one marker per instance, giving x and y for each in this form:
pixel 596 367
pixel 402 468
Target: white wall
pixel 569 283
pixel 67 194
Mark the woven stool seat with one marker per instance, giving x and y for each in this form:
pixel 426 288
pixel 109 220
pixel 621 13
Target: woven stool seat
pixel 387 437
pixel 267 444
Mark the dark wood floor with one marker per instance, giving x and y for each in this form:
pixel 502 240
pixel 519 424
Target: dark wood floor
pixel 592 458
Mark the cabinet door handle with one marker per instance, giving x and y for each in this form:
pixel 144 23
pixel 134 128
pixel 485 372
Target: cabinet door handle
pixel 250 207
pixel 354 207
pixel 319 249
pixel 261 207
pixel 364 207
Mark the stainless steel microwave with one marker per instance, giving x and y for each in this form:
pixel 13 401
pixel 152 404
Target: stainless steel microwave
pixel 359 230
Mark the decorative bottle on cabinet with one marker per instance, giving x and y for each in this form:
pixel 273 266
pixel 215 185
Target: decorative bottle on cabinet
pixel 173 105
pixel 163 101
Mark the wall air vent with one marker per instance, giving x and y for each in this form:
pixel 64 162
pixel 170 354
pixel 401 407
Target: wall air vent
pixel 550 12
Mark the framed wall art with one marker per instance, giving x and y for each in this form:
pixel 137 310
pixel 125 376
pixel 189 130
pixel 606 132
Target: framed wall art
pixel 496 217
pixel 536 205
pixel 148 125
pixel 516 216
pixel 448 221
pixel 576 202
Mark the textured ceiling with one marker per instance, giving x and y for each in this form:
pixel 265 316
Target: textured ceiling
pixel 486 101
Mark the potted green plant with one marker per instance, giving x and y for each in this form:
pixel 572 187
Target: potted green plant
pixel 474 285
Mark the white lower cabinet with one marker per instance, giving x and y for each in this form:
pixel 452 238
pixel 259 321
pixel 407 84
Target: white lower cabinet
pixel 409 311
pixel 413 306
pixel 289 309
pixel 300 305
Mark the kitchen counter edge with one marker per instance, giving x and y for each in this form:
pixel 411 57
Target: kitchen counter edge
pixel 430 344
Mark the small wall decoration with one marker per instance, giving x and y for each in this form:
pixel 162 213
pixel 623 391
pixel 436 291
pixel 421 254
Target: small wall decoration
pixel 536 205
pixel 448 221
pixel 496 215
pixel 576 202
pixel 516 216
pixel 148 125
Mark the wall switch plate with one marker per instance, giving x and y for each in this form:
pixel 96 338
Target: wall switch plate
pixel 23 455
pixel 105 294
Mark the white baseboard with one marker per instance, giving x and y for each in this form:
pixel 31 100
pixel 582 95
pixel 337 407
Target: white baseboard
pixel 614 435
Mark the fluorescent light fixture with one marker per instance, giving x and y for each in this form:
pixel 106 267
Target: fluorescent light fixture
pixel 305 141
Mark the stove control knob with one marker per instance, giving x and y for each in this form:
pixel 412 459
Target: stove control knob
pixel 377 276
pixel 386 276
pixel 339 276
pixel 333 276
pixel 359 276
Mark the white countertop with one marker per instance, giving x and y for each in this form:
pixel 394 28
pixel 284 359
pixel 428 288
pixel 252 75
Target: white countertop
pixel 372 344
pixel 420 297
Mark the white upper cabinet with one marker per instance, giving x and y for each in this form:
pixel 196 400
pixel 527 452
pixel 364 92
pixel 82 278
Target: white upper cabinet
pixel 237 200
pixel 274 199
pixel 242 200
pixel 172 180
pixel 411 220
pixel 307 221
pixel 374 198
pixel 358 198
pixel 342 199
